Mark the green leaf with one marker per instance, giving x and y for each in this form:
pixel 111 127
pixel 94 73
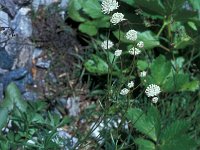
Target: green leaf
pixel 174 130
pixel 160 69
pixel 192 25
pixel 180 82
pixel 92 8
pixel 88 28
pixel 142 65
pixel 13 97
pixel 149 38
pixel 172 6
pixel 183 142
pixel 73 11
pixel 190 86
pixel 96 65
pixel 153 7
pixel 195 4
pixel 130 2
pixel 3 117
pixel 144 144
pixel 148 124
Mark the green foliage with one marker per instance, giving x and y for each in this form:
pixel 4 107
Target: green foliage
pixel 96 65
pixel 27 122
pixel 171 137
pixel 88 12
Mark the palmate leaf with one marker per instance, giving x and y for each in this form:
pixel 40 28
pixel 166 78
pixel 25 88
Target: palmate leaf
pixel 153 7
pixel 93 8
pixel 148 124
pixel 88 28
pixel 96 65
pixel 73 11
pixel 144 144
pixel 160 69
pixel 174 137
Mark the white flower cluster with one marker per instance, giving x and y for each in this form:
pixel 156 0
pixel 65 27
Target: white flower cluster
pixel 143 74
pixel 134 51
pixel 140 44
pixel 152 91
pixel 107 44
pixel 118 52
pixel 117 18
pixel 109 5
pixel 124 91
pixel 131 35
pixel 131 84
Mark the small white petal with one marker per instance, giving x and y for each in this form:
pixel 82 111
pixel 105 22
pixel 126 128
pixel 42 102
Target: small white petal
pixel 131 35
pixel 107 44
pixel 134 51
pixel 130 84
pixel 117 18
pixel 152 90
pixel 124 91
pixel 143 74
pixel 118 52
pixel 109 5
pixel 140 44
pixel 154 100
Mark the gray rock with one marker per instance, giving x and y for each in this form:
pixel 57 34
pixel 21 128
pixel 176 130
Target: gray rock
pixel 30 96
pixel 14 75
pixel 63 4
pixel 9 7
pixel 4 19
pixel 6 61
pixel 22 24
pixel 37 3
pixel 45 64
pixel 37 53
pixel 21 50
pixel 22 2
pixel 73 106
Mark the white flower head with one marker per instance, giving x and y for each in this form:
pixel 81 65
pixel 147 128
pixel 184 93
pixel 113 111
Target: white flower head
pixel 124 91
pixel 117 18
pixel 152 90
pixel 109 5
pixel 131 35
pixel 134 51
pixel 143 74
pixel 130 84
pixel 118 52
pixel 107 44
pixel 154 100
pixel 140 44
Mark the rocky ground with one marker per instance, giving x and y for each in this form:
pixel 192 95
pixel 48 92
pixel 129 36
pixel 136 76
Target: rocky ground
pixel 37 52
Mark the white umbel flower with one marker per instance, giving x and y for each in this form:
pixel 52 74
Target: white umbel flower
pixel 140 44
pixel 152 90
pixel 118 52
pixel 154 100
pixel 131 35
pixel 117 18
pixel 134 51
pixel 107 44
pixel 143 74
pixel 130 84
pixel 124 91
pixel 109 5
